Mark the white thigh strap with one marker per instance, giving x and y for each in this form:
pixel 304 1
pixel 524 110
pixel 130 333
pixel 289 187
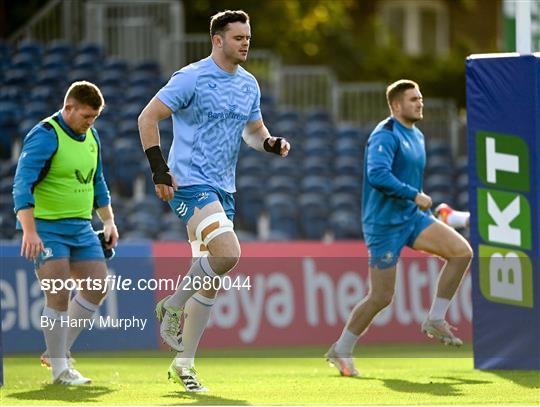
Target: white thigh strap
pixel 198 249
pixel 217 224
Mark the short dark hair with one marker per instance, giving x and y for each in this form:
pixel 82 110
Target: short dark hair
pixel 86 93
pixel 219 21
pixel 395 90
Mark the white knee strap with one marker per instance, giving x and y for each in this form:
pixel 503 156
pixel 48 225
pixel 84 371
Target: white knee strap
pixel 219 224
pixel 198 249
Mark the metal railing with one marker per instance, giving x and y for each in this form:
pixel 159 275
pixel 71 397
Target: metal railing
pixel 58 19
pixel 266 67
pixel 306 87
pixel 441 121
pixel 135 30
pixel 154 29
pixel 364 104
pixel 360 103
pixel 184 50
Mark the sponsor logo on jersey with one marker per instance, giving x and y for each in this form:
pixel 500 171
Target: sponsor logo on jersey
pixel 227 115
pixel 82 179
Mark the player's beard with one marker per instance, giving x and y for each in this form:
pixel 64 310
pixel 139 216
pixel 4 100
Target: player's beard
pixel 234 56
pixel 238 58
pixel 413 118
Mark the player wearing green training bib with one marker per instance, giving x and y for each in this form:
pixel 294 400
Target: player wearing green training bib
pixel 59 181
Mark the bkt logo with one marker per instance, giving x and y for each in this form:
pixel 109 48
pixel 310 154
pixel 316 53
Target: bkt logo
pixel 504 218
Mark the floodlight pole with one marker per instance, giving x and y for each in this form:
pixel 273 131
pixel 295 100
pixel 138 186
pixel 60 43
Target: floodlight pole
pixel 523 27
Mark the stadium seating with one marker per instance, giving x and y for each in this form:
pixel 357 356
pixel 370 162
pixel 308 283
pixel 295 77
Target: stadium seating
pixel 316 166
pixel 313 215
pixel 314 193
pixel 283 214
pixel 60 47
pixel 249 200
pixel 346 225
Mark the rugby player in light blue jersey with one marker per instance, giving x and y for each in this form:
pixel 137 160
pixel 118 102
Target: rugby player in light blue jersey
pixel 211 102
pixel 396 213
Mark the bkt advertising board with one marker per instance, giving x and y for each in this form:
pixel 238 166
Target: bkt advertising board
pixel 503 106
pixel 302 297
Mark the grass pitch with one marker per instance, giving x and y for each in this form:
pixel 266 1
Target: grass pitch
pixel 391 375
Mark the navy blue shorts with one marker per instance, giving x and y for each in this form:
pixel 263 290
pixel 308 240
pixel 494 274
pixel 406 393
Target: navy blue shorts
pixel 385 246
pixel 186 199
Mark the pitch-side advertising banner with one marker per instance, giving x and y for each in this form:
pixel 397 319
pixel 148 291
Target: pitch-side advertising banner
pixel 118 324
pixel 280 294
pixel 302 293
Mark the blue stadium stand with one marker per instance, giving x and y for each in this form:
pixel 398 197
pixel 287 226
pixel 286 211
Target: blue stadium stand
pixel 324 167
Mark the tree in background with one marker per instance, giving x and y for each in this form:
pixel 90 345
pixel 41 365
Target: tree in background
pixel 342 34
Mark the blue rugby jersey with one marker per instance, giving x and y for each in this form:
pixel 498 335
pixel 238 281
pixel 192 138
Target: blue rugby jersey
pixel 394 164
pixel 210 109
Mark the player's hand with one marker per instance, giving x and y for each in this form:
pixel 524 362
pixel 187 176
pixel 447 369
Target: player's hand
pixel 423 201
pixel 31 245
pixel 110 232
pixel 166 192
pixel 284 148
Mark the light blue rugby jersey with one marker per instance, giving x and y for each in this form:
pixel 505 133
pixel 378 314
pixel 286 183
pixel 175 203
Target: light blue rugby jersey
pixel 210 109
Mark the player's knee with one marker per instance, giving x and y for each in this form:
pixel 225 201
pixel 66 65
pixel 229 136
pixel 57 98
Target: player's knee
pixel 224 253
pixel 467 251
pixel 461 250
pixel 100 286
pixel 382 300
pixel 58 301
pixel 101 295
pixel 230 260
pixel 95 296
pixel 216 233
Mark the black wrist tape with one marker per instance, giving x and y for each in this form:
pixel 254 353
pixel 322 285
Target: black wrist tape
pixel 156 160
pixel 162 178
pixel 276 149
pixel 160 169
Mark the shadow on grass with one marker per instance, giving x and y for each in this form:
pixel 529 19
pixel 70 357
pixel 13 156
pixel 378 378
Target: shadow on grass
pixel 83 394
pixel 439 386
pixel 525 378
pixel 203 399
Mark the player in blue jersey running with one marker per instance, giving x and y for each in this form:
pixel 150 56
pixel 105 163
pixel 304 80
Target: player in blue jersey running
pixel 58 182
pixel 211 102
pixel 396 213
